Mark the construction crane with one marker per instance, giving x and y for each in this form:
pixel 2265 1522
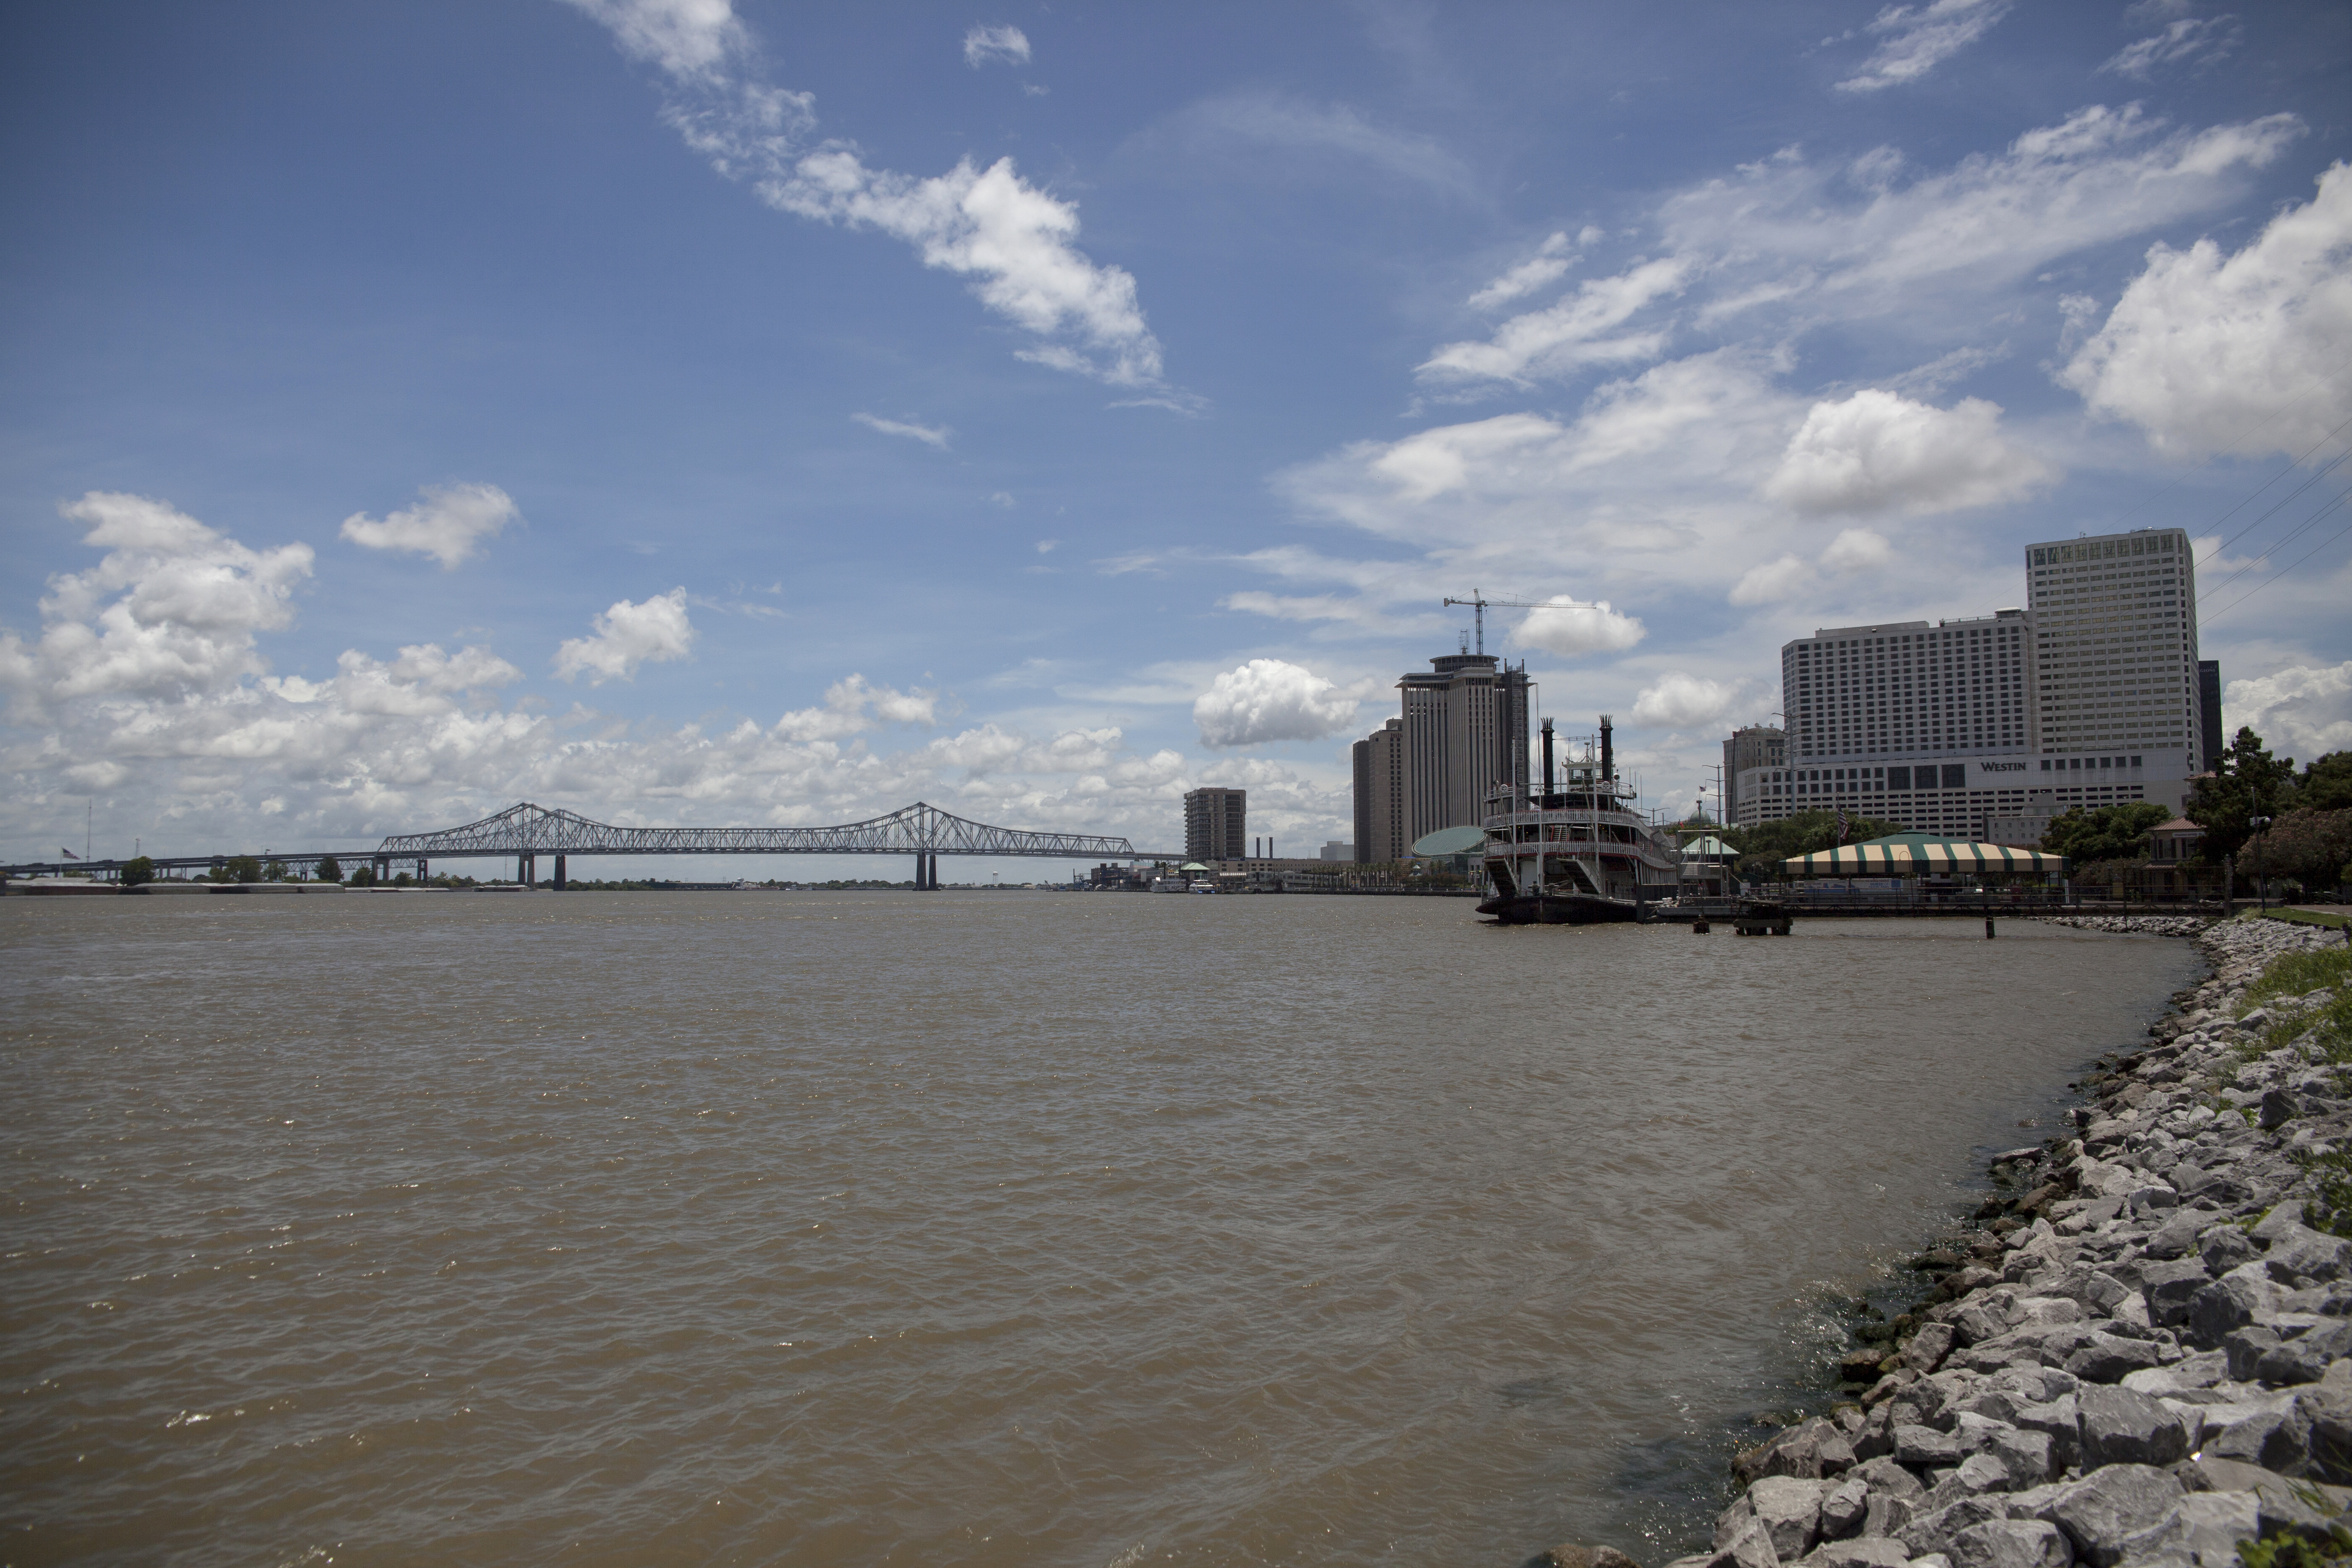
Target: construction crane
pixel 1479 604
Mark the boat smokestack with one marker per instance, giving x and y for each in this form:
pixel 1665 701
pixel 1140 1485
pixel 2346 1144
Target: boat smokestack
pixel 1608 753
pixel 1549 790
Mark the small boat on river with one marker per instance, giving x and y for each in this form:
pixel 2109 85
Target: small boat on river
pixel 1579 853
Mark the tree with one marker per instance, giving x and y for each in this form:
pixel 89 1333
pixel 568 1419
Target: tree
pixel 2312 847
pixel 363 875
pixel 2110 833
pixel 330 870
pixel 2247 782
pixel 2326 785
pixel 274 872
pixel 241 868
pixel 1763 846
pixel 138 871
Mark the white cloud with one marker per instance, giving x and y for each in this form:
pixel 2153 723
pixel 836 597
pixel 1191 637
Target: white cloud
pixel 1573 630
pixel 170 613
pixel 1858 549
pixel 991 225
pixel 1774 582
pixel 1880 453
pixel 1270 700
pixel 1016 241
pixel 683 37
pixel 1915 39
pixel 1002 41
pixel 2205 39
pixel 651 631
pixel 2304 711
pixel 1678 701
pixel 1788 229
pixel 146 688
pixel 1549 264
pixel 930 436
pixel 448 523
pixel 853 706
pixel 1578 330
pixel 2204 352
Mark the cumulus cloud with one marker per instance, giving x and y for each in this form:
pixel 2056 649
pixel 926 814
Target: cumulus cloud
pixel 651 631
pixel 1677 701
pixel 1015 241
pixel 448 523
pixel 2205 351
pixel 852 706
pixel 930 436
pixel 2201 40
pixel 1573 630
pixel 1000 42
pixel 1915 39
pixel 197 743
pixel 1271 700
pixel 2304 711
pixel 1858 549
pixel 1773 582
pixel 1880 452
pixel 170 613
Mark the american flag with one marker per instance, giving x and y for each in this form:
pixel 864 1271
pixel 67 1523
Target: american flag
pixel 68 853
pixel 1843 828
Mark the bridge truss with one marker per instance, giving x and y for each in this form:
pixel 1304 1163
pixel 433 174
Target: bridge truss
pixel 918 829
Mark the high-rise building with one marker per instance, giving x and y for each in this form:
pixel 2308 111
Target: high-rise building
pixel 1750 746
pixel 2208 711
pixel 1379 794
pixel 1465 733
pixel 2088 697
pixel 1217 824
pixel 2115 661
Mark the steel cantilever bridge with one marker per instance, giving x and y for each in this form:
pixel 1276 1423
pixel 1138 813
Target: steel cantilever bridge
pixel 524 832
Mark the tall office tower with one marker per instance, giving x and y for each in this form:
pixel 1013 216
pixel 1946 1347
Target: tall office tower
pixel 1379 794
pixel 2208 711
pixel 1216 825
pixel 1466 735
pixel 1750 746
pixel 2115 658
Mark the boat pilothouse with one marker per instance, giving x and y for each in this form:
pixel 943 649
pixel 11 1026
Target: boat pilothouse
pixel 1579 853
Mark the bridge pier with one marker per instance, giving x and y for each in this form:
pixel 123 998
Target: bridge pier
pixel 559 873
pixel 420 870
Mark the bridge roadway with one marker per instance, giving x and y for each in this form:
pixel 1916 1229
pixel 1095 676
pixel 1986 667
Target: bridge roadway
pixel 524 831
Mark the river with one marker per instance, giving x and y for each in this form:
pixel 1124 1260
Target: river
pixel 984 1228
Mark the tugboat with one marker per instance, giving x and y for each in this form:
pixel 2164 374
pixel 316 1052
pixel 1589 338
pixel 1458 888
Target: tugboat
pixel 1578 854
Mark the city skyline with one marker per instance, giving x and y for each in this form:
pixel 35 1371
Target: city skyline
pixel 710 414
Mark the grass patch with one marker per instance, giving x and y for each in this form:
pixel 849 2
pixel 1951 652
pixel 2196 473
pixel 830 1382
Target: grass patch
pixel 2307 918
pixel 2297 972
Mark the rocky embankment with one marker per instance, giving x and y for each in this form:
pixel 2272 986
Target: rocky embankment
pixel 2140 1355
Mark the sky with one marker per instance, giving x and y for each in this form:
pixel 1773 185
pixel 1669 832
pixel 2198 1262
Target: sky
pixel 698 413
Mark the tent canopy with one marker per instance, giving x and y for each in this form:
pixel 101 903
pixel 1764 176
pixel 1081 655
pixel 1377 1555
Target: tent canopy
pixel 1899 854
pixel 1707 847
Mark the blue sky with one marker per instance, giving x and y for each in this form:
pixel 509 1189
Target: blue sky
pixel 694 413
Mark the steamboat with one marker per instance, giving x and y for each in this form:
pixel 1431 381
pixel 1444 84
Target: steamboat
pixel 1579 853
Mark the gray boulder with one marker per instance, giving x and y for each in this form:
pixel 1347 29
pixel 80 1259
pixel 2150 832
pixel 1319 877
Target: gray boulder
pixel 1869 1552
pixel 2024 1457
pixel 2230 1303
pixel 1928 1347
pixel 2120 1427
pixel 2224 1247
pixel 2301 1255
pixel 2279 1107
pixel 2168 1288
pixel 2324 1414
pixel 1749 1546
pixel 2110 1359
pixel 2059 1420
pixel 1807 1451
pixel 2275 1439
pixel 1791 1511
pixel 1916 1444
pixel 1934 1531
pixel 2203 1529
pixel 2010 1543
pixel 1843 1507
pixel 2102 1512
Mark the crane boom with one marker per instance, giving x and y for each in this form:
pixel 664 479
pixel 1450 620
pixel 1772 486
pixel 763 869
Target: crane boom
pixel 1478 604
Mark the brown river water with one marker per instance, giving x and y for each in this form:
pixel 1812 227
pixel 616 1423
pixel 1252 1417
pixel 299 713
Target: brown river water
pixel 960 1228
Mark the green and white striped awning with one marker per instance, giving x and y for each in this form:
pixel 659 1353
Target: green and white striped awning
pixel 1911 854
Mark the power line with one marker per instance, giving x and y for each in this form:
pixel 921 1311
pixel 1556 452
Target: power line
pixel 2317 474
pixel 2277 544
pixel 2306 555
